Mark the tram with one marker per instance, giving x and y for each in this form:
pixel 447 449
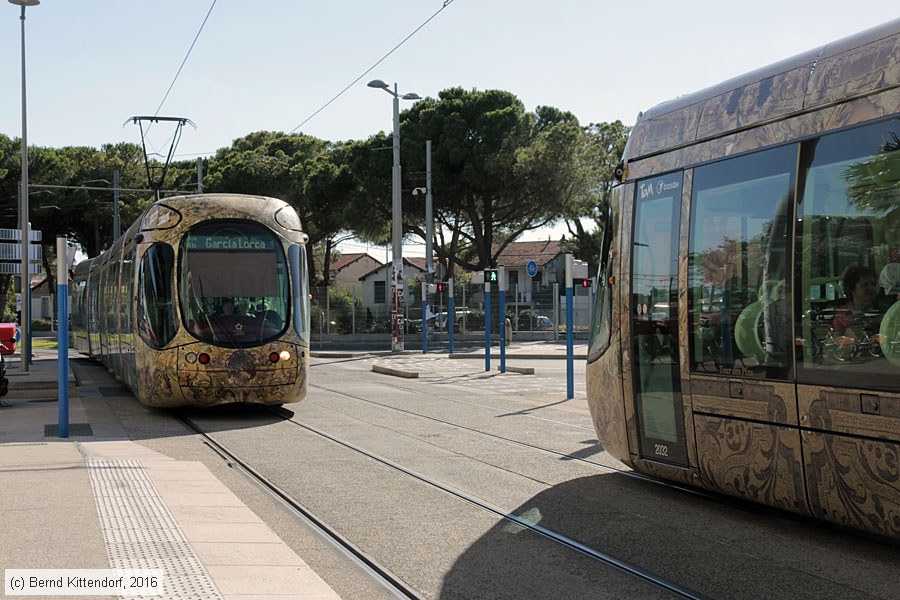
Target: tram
pixel 203 301
pixel 746 330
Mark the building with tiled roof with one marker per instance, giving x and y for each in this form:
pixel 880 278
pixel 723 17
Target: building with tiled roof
pixel 518 254
pixel 347 270
pixel 376 284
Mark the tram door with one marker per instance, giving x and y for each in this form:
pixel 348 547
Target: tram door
pixel 654 320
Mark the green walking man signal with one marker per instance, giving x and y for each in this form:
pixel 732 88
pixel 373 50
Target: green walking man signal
pixel 490 275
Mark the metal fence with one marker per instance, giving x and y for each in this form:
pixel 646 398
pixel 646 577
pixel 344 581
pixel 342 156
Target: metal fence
pixel 336 311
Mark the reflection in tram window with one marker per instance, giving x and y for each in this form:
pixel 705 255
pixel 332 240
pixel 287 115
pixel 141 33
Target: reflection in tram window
pixel 849 231
pixel 738 300
pixel 156 310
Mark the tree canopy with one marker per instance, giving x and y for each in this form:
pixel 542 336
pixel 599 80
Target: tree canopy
pixel 498 171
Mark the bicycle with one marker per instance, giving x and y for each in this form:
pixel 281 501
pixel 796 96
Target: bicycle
pixel 845 348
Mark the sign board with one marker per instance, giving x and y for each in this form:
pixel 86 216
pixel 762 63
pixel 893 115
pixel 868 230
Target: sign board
pixel 531 268
pixel 16 234
pixel 10 268
pixel 13 251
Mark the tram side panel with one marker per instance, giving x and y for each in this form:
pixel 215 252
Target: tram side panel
pixel 851 449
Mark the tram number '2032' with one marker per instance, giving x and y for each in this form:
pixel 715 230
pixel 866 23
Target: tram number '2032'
pixel 661 449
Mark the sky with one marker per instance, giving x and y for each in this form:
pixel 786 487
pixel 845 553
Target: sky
pixel 92 64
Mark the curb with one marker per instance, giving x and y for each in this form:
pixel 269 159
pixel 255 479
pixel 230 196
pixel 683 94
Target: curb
pixel 395 372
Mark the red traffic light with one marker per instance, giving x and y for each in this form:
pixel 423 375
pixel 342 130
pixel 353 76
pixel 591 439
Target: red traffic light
pixel 585 283
pixel 440 288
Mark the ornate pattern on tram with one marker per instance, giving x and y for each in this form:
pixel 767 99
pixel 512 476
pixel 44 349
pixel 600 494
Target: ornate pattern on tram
pixel 853 480
pixel 756 461
pixel 766 100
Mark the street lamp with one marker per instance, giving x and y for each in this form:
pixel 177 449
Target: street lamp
pixel 396 216
pixel 23 206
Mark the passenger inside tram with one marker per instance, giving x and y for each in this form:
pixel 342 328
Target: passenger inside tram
pixel 859 313
pixel 227 309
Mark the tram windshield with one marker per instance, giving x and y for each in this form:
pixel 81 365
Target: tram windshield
pixel 233 283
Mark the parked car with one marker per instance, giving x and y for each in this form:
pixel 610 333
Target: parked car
pixel 530 320
pixel 471 319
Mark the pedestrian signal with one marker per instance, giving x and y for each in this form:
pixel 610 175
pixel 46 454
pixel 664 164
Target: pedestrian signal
pixel 440 288
pixel 491 276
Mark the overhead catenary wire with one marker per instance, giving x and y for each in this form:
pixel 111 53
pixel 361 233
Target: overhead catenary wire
pixel 183 62
pixel 444 5
pixel 186 56
pixel 378 62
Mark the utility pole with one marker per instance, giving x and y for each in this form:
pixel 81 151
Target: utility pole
pixel 117 230
pixel 429 227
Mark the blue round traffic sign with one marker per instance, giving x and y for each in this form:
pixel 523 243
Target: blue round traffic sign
pixel 531 268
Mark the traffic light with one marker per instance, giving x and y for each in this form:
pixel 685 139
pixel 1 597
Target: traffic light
pixel 440 287
pixel 586 283
pixel 491 276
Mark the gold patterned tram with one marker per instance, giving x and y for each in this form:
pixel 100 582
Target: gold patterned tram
pixel 203 301
pixel 746 331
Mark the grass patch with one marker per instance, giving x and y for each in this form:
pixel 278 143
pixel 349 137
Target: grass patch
pixel 45 343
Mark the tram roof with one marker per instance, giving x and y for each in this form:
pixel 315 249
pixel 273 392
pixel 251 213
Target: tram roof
pixel 855 66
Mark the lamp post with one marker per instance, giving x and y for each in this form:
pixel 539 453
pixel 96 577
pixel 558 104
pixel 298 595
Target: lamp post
pixel 396 218
pixel 23 208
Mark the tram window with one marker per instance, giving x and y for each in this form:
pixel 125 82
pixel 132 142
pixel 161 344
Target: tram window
pixel 156 310
pixel 230 264
pixel 654 341
pixel 849 237
pixel 299 276
pixel 601 320
pixel 738 297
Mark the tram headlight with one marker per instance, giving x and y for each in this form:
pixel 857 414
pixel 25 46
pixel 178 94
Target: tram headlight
pixel 191 358
pixel 203 358
pixel 284 355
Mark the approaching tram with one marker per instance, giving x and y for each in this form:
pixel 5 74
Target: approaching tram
pixel 746 330
pixel 204 301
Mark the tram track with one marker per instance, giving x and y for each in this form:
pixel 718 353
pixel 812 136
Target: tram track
pixel 746 506
pixel 563 455
pixel 395 585
pixel 382 574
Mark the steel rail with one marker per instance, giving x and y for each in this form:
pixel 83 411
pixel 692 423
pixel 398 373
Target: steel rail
pixel 378 572
pixel 559 538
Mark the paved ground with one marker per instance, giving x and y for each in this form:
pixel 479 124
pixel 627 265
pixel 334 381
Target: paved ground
pixel 97 500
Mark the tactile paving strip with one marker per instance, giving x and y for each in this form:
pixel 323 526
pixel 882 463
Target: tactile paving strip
pixel 140 532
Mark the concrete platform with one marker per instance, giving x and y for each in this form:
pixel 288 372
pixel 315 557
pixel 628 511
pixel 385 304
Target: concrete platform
pixel 97 500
